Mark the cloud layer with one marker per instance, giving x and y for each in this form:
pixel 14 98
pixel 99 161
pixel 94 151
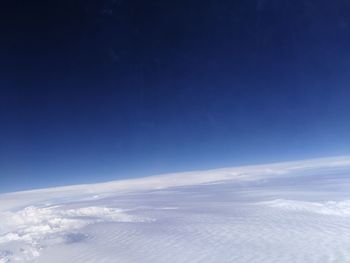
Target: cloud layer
pixel 289 212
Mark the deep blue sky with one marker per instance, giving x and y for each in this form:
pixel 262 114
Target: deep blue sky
pixel 102 90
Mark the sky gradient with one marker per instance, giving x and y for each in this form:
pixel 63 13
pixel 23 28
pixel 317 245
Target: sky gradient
pixel 102 90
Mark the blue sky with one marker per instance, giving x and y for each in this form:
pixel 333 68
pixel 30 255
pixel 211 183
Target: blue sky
pixel 100 91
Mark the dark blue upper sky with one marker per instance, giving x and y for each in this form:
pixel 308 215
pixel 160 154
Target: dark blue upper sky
pixel 102 90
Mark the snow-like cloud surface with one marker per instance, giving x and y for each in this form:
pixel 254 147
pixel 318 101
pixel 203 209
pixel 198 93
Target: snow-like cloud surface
pixel 254 214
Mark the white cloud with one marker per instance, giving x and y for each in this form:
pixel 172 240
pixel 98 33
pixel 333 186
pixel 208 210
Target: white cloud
pixel 340 208
pixel 31 227
pixel 213 216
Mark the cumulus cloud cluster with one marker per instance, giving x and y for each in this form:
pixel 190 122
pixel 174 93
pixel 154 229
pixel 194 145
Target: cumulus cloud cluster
pixel 33 226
